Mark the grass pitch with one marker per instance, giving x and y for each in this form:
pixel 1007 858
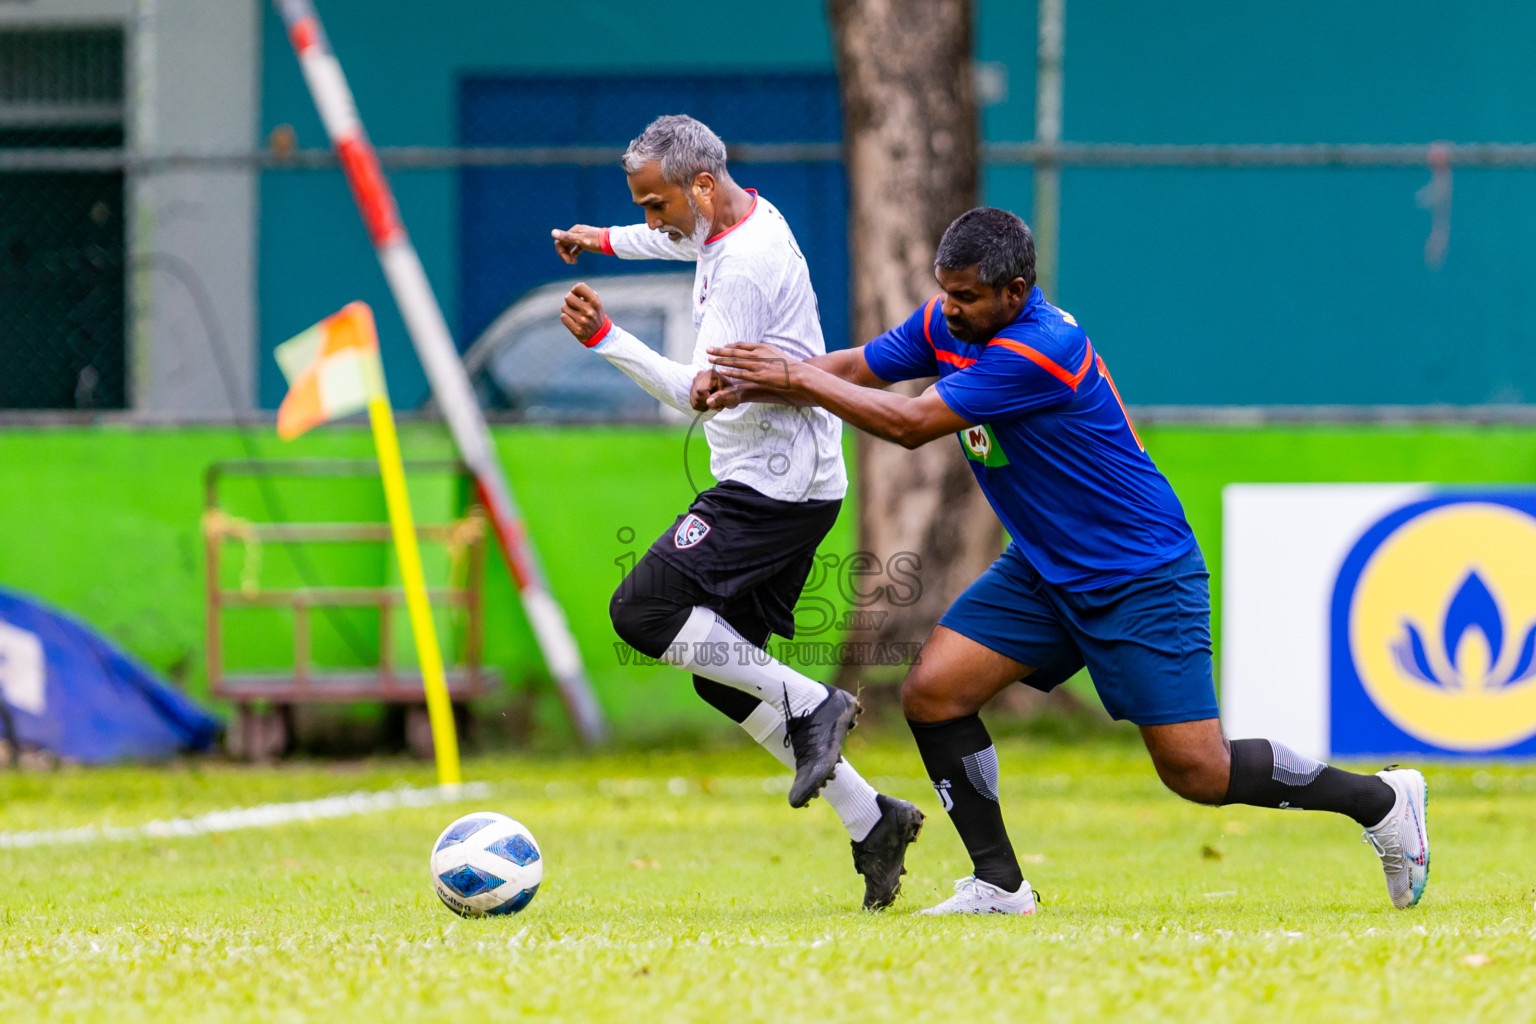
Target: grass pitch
pixel 680 886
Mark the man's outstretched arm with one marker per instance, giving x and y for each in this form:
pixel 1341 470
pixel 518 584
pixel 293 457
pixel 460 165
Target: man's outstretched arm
pixel 630 242
pixel 714 390
pixel 848 389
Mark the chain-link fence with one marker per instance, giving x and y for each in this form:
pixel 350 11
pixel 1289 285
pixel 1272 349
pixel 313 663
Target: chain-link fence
pixel 62 255
pixel 155 269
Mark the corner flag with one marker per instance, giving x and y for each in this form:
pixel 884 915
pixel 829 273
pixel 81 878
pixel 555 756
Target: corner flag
pixel 333 370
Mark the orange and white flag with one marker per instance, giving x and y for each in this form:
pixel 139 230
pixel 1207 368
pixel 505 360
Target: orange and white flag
pixel 333 370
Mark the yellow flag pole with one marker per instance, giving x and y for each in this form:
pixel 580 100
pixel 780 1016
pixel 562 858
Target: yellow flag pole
pixel 445 739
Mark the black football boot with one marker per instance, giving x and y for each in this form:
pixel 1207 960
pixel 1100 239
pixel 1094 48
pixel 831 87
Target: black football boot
pixel 817 737
pixel 881 856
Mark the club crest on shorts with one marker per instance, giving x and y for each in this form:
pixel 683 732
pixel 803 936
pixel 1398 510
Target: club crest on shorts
pixel 690 531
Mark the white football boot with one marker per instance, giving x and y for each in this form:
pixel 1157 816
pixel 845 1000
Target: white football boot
pixel 1402 838
pixel 973 896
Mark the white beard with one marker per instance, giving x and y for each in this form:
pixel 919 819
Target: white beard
pixel 700 226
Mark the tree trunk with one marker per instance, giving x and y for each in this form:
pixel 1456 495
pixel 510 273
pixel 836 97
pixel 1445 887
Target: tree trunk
pixel 910 140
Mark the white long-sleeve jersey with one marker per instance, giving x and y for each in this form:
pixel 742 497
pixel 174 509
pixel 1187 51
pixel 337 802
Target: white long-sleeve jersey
pixel 751 284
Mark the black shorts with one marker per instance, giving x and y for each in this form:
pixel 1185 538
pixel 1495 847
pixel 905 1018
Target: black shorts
pixel 742 547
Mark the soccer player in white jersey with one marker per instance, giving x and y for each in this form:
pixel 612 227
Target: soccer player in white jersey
pixel 726 575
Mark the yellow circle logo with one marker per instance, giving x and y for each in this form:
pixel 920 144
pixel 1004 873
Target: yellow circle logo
pixel 1442 626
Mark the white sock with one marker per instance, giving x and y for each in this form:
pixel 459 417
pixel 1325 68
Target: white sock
pixel 850 796
pixel 708 646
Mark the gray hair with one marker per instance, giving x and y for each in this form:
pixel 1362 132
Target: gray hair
pixel 684 146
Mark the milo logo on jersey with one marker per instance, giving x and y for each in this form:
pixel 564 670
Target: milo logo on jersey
pixel 1433 625
pixel 981 446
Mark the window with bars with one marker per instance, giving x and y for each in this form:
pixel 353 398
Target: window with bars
pixel 62 256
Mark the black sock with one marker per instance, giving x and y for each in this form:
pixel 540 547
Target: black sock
pixel 962 763
pixel 1269 774
pixel 727 700
pixel 651 605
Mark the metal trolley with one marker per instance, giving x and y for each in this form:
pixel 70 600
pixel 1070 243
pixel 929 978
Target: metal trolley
pixel 265 700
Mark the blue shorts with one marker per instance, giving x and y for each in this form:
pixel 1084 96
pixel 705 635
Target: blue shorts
pixel 1146 642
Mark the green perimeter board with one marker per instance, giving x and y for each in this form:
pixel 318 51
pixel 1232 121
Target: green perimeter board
pixel 109 529
pixel 104 522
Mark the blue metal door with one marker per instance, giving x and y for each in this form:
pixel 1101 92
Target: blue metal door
pixel 506 213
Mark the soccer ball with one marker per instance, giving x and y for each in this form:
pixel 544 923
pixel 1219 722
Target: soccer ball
pixel 486 863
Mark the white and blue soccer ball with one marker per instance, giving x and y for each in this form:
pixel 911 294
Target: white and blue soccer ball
pixel 486 863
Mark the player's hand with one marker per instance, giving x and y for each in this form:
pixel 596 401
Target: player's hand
pixel 705 384
pixel 582 313
pixel 580 236
pixel 729 396
pixel 757 363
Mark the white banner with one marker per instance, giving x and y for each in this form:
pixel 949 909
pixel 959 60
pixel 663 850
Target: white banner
pixel 1376 619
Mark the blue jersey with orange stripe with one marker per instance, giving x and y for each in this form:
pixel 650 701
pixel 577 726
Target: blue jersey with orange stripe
pixel 1052 446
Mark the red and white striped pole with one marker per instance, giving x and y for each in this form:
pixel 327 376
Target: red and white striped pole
pixel 439 358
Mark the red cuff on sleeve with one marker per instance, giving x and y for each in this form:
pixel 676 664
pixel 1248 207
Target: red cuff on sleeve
pixel 607 246
pixel 602 332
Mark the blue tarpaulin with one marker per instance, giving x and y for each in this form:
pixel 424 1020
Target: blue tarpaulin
pixel 71 692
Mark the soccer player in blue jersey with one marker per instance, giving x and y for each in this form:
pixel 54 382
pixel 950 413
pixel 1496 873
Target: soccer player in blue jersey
pixel 1102 569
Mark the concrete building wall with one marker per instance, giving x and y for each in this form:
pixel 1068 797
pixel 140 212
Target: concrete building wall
pixel 404 61
pixel 1273 273
pixel 194 270
pixel 1221 286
